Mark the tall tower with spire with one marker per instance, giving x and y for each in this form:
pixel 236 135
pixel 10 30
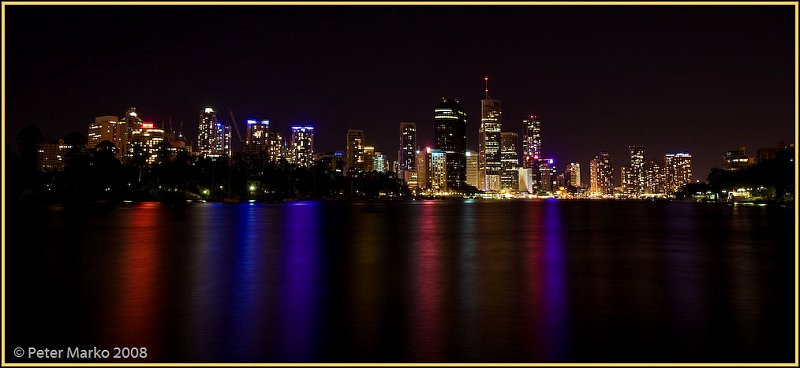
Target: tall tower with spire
pixel 489 163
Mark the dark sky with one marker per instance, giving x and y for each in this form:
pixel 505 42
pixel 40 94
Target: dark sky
pixel 700 79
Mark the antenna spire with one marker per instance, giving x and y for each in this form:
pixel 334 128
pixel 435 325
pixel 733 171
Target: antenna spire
pixel 486 84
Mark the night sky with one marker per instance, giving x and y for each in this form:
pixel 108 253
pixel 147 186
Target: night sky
pixel 701 79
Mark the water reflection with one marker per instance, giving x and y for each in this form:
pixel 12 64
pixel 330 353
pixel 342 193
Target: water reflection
pixel 300 278
pixel 473 281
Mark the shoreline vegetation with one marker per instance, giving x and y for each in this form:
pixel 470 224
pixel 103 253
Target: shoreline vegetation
pixel 97 176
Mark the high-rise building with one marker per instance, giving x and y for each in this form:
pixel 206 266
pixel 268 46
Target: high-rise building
pixel 257 142
pixel 601 174
pixel 408 146
pixel 547 175
pixel 489 163
pixel 213 137
pixel 354 156
pixel 635 175
pixel 509 176
pixel 525 178
pixel 678 168
pixel 736 159
pixel 369 158
pixel 302 147
pixel 655 177
pixel 472 169
pixel 423 169
pixel 573 174
pixel 104 128
pixel 531 141
pixel 438 170
pixel 277 147
pixel 379 163
pixel 450 136
pixel 145 143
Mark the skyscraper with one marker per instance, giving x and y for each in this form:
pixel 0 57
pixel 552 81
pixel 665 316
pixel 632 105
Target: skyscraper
pixel 531 141
pixel 509 176
pixel 257 142
pixel 302 147
pixel 354 157
pixel 472 169
pixel 601 174
pixel 108 128
pixel 489 164
pixel 450 136
pixel 655 177
pixel 547 173
pixel 636 174
pixel 438 170
pixel 408 146
pixel 678 168
pixel 573 172
pixel 277 147
pixel 213 137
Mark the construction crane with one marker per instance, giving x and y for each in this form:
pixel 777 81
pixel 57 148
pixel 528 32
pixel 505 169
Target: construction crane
pixel 236 126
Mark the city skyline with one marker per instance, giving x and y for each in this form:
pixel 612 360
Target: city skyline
pixel 719 81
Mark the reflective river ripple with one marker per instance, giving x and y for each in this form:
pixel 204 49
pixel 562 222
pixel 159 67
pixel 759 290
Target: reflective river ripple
pixel 416 281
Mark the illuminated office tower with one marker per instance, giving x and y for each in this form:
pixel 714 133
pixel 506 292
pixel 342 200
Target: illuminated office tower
pixel 104 128
pixel 379 163
pixel 525 179
pixel 277 147
pixel 736 159
pixel 472 169
pixel 302 147
pixel 406 155
pixel 438 170
pixel 601 174
pixel 573 174
pixel 626 180
pixel 129 123
pixel 547 175
pixel 655 177
pixel 369 158
pixel 489 164
pixel 450 136
pixel 145 143
pixel 635 178
pixel 678 167
pixel 531 141
pixel 213 137
pixel 509 176
pixel 423 169
pixel 354 156
pixel 257 142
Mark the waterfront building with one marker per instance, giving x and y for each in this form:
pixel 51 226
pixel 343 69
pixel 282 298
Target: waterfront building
pixel 736 159
pixel 406 155
pixel 450 136
pixel 213 137
pixel 573 174
pixel 423 169
pixel 145 144
pixel 489 162
pixel 302 147
pixel 601 174
pixel 678 170
pixel 655 177
pixel 509 176
pixel 525 179
pixel 369 158
pixel 472 169
pixel 104 128
pixel 379 163
pixel 635 175
pixel 531 141
pixel 277 147
pixel 257 141
pixel 547 175
pixel 354 155
pixel 438 170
